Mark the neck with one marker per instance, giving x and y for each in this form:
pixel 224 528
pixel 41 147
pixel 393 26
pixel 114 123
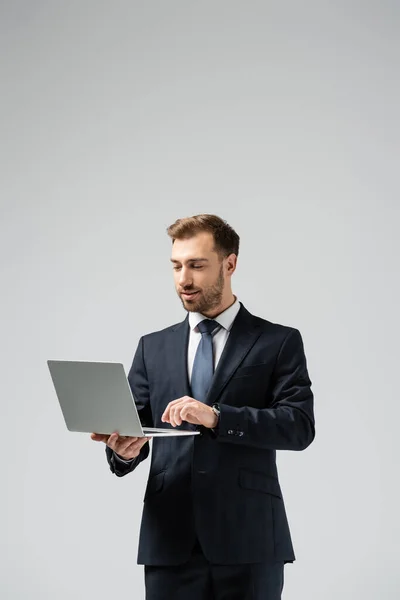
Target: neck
pixel 211 314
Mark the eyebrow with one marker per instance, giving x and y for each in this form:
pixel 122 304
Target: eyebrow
pixel 173 260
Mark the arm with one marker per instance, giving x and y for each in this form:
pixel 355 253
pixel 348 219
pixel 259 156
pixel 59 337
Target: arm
pixel 137 378
pixel 289 422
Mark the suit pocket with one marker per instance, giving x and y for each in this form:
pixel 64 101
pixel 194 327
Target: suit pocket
pixel 259 482
pixel 154 484
pixel 250 370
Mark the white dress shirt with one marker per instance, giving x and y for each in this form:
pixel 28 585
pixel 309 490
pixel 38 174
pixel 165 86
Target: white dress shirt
pixel 225 319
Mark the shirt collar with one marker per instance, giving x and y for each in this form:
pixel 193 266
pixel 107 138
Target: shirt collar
pixel 225 319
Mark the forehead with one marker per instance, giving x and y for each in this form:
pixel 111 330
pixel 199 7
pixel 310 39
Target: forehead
pixel 198 246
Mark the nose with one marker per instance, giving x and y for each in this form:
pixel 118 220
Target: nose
pixel 184 279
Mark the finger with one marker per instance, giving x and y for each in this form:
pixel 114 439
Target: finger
pixel 125 442
pixel 182 410
pixel 112 441
pixel 115 441
pixel 175 415
pixel 172 416
pixel 178 416
pixel 133 449
pixel 99 437
pixel 166 414
pixel 142 441
pixel 187 411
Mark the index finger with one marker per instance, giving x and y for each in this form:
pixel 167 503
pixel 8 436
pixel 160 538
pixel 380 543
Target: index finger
pixel 172 403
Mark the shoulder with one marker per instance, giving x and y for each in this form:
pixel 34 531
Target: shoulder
pixel 271 328
pixel 285 340
pixel 161 334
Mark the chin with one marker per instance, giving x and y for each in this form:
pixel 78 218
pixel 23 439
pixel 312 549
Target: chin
pixel 192 306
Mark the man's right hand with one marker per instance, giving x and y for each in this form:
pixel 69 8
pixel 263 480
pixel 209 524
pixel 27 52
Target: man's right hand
pixel 125 446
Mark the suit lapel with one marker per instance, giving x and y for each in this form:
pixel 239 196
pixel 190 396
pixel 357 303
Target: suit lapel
pixel 242 337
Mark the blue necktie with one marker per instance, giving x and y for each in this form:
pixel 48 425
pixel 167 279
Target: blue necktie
pixel 203 365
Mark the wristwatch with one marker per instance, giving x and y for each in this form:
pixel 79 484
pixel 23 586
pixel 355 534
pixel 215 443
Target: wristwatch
pixel 217 411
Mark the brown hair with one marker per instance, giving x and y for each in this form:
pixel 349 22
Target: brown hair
pixel 226 240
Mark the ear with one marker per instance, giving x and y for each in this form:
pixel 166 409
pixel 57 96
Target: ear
pixel 230 265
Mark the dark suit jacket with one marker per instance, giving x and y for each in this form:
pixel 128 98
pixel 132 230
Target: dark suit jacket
pixel 224 488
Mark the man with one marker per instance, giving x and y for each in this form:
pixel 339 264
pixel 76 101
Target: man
pixel 214 524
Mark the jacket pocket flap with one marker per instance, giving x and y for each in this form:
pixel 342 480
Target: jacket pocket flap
pixel 250 370
pixel 155 483
pixel 254 480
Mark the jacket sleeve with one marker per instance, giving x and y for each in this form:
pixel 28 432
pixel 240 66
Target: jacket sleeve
pixel 288 422
pixel 138 382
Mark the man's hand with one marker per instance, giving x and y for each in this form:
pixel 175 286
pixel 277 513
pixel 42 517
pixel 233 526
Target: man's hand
pixel 127 447
pixel 190 410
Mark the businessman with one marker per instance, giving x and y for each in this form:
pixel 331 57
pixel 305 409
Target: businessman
pixel 214 524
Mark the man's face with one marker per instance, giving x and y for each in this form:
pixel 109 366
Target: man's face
pixel 197 269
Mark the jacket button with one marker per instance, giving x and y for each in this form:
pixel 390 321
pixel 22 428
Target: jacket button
pixel 230 431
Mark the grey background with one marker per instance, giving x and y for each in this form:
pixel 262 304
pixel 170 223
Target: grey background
pixel 118 118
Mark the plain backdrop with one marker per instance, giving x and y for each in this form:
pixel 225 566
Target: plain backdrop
pixel 117 118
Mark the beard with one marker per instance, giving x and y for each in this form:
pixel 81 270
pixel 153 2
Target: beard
pixel 208 298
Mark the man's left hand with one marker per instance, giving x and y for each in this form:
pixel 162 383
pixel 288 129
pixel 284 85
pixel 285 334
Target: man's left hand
pixel 190 410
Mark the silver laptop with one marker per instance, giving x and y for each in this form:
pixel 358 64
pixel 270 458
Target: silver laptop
pixel 95 397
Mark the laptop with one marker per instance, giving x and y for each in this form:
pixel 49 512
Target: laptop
pixel 95 397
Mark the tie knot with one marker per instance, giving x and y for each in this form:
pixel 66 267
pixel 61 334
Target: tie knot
pixel 208 326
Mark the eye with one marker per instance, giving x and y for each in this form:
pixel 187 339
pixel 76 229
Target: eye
pixel 194 267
